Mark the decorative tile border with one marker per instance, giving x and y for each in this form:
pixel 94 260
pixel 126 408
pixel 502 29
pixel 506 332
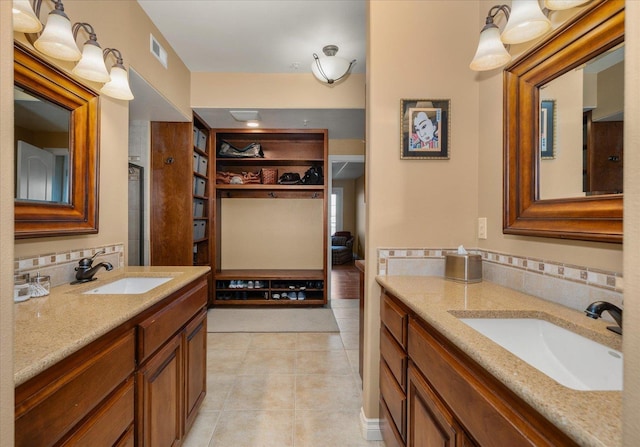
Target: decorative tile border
pixel 403 257
pixel 61 266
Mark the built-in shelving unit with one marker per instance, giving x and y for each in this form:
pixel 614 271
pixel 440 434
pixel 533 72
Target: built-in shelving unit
pixel 181 210
pixel 287 151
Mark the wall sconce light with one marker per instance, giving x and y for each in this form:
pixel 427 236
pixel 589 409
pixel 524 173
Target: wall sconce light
pixel 24 17
pixel 330 68
pixel 525 21
pixel 558 5
pixel 57 39
pixel 91 66
pixel 118 86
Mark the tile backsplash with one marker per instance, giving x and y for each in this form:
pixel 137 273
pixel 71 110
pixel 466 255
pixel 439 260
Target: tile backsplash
pixel 61 266
pixel 570 285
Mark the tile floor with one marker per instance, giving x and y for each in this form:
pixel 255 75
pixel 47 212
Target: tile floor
pixel 283 389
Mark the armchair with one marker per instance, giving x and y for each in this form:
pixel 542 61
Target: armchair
pixel 341 247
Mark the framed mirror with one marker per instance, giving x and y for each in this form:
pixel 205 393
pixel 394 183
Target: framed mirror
pixel 56 150
pixel 534 139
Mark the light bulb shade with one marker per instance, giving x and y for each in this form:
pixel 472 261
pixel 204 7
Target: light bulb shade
pixel 57 39
pixel 525 23
pixel 491 52
pixel 118 86
pixel 330 69
pixel 558 5
pixel 24 19
pixel 91 66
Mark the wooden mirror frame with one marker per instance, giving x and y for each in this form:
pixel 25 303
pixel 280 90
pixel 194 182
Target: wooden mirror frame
pixel 80 215
pixel 594 30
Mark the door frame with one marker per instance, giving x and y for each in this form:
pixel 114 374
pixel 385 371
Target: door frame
pixel 329 179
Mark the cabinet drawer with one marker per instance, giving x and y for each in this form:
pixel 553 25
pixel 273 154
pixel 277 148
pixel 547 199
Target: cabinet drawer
pixel 394 357
pixel 157 329
pixel 395 319
pixel 394 398
pixel 110 423
pixel 490 412
pixel 43 417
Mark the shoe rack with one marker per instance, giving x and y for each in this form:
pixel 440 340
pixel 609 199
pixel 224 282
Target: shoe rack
pixel 287 151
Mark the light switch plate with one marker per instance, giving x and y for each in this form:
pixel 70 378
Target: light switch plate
pixel 482 227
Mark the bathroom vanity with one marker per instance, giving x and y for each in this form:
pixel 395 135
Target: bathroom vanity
pixel 443 383
pixel 112 368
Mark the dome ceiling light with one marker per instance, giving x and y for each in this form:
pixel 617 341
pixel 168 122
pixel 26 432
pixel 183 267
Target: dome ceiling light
pixel 330 68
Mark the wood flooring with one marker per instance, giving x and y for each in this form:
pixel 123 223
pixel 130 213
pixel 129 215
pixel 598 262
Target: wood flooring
pixel 345 281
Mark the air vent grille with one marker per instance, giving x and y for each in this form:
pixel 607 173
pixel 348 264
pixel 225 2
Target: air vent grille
pixel 157 50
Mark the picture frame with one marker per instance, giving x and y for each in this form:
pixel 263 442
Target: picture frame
pixel 547 129
pixel 425 128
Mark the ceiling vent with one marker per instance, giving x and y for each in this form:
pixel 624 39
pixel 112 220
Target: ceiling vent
pixel 245 115
pixel 157 50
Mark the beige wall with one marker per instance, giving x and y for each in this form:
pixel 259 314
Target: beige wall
pixel 346 147
pixel 279 91
pixel 348 205
pixel 6 226
pixel 417 203
pixel 121 25
pixel 631 339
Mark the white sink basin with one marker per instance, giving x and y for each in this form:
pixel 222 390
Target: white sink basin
pixel 568 358
pixel 131 285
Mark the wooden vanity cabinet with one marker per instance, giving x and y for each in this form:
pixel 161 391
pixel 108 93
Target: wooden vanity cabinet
pixel 450 399
pixel 393 371
pixel 140 384
pixel 171 379
pixel 73 398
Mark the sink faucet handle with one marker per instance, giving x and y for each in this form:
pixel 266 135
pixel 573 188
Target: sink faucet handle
pixel 87 262
pixel 98 253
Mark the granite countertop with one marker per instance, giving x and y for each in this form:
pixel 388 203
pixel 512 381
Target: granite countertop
pixel 48 329
pixel 591 418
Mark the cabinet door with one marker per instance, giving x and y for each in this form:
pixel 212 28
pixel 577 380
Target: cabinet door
pixel 195 377
pixel 430 424
pixel 160 397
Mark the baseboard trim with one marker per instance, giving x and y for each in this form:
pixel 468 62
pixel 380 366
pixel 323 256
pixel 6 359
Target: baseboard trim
pixel 369 427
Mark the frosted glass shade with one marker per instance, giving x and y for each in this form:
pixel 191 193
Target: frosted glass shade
pixel 57 39
pixel 118 86
pixel 333 68
pixel 24 19
pixel 558 5
pixel 91 66
pixel 526 22
pixel 491 52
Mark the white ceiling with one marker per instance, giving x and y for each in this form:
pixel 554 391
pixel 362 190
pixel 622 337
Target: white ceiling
pixel 257 36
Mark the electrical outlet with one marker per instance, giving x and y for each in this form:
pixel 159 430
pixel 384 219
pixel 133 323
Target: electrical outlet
pixel 482 227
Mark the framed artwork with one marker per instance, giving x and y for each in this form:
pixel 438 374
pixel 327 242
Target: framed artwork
pixel 547 128
pixel 425 128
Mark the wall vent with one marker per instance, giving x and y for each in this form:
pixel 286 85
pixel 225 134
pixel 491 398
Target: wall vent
pixel 157 50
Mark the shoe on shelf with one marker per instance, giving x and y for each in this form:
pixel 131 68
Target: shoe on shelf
pixel 250 285
pixel 275 296
pixel 301 295
pixel 284 295
pixel 257 285
pixel 232 284
pixel 293 296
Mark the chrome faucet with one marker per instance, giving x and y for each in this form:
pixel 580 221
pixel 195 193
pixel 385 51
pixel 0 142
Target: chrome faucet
pixel 596 308
pixel 85 269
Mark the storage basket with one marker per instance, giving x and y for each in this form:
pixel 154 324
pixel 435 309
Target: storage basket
pixel 269 176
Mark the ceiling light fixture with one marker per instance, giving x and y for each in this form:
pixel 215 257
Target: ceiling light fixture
pixel 118 86
pixel 330 68
pixel 525 22
pixel 91 66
